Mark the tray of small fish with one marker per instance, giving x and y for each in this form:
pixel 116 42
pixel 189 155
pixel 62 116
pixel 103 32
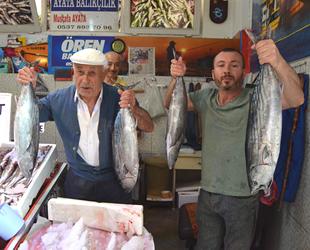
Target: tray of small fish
pixel 15 189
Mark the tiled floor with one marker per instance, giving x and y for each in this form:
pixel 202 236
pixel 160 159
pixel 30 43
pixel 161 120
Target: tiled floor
pixel 162 222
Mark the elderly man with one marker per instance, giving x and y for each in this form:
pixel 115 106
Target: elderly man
pixel 84 114
pixel 113 68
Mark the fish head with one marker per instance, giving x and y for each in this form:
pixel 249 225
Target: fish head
pixel 260 178
pixel 129 178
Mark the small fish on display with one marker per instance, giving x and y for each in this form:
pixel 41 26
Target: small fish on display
pixel 125 146
pixel 176 123
pixel 263 135
pixel 15 12
pixel 26 126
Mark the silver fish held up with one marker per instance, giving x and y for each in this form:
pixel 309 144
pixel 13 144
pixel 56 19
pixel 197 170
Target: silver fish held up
pixel 176 124
pixel 263 136
pixel 125 146
pixel 26 127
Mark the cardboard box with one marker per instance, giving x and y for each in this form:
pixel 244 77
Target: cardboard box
pixel 187 197
pixel 46 167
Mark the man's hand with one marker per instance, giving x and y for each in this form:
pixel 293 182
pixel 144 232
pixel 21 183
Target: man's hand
pixel 177 68
pixel 26 75
pixel 128 99
pixel 268 52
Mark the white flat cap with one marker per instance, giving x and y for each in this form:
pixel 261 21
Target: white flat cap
pixel 90 57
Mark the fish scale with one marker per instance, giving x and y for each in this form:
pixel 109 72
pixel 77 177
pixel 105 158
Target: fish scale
pixel 263 136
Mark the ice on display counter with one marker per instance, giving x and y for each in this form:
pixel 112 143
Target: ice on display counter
pixel 27 192
pixel 77 224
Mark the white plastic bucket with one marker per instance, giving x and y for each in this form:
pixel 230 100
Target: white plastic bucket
pixel 10 222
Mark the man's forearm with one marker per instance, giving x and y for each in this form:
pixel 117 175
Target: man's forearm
pixel 143 119
pixel 169 93
pixel 293 95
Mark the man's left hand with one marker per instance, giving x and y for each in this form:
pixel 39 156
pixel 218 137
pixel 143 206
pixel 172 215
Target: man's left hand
pixel 268 52
pixel 128 99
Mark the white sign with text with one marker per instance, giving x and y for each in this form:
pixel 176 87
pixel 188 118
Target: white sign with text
pixel 5 116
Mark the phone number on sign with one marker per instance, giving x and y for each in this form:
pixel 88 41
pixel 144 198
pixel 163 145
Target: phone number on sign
pixel 84 27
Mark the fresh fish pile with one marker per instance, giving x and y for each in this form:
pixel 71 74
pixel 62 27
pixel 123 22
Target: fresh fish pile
pixel 26 127
pixel 12 175
pixel 15 12
pixel 177 118
pixel 162 13
pixel 263 136
pixel 125 146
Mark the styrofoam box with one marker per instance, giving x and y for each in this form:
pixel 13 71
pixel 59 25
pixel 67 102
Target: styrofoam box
pixel 187 197
pixel 44 172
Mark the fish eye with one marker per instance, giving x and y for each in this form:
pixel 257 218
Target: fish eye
pixel 254 183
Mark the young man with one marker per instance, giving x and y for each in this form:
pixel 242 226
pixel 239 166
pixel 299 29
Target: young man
pixel 84 114
pixel 226 211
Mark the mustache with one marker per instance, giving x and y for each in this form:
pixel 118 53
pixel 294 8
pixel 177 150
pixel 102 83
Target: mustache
pixel 86 86
pixel 227 75
pixel 113 71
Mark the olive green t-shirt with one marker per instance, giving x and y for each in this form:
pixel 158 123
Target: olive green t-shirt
pixel 223 142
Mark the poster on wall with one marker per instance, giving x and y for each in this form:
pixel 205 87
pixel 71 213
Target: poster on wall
pixel 63 47
pixel 197 53
pixel 18 16
pixel 31 47
pixel 290 27
pixel 145 16
pixel 80 15
pixel 141 61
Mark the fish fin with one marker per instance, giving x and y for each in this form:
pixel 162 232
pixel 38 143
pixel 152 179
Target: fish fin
pixel 282 87
pixel 268 33
pixel 175 54
pixel 16 100
pixel 118 85
pixel 252 36
pixel 29 64
pixel 265 154
pixel 136 123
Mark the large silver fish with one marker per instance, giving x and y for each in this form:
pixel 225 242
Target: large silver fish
pixel 176 124
pixel 125 146
pixel 26 127
pixel 263 135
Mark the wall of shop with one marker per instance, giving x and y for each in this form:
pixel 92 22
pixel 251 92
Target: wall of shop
pixel 290 227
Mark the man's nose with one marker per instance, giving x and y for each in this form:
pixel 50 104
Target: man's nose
pixel 226 69
pixel 112 67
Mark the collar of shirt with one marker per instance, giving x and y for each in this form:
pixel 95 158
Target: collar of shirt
pixel 89 142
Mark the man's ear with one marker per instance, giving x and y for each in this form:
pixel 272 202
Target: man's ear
pixel 72 71
pixel 244 74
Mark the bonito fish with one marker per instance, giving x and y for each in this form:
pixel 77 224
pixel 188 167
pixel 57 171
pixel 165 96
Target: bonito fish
pixel 26 127
pixel 176 124
pixel 125 146
pixel 263 136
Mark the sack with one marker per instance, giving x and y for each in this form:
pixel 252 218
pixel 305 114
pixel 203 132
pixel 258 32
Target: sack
pixel 153 104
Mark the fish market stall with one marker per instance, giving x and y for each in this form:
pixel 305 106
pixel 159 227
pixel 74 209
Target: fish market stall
pixel 27 196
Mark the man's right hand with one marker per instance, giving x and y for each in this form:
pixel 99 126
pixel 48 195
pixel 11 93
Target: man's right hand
pixel 26 75
pixel 178 68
